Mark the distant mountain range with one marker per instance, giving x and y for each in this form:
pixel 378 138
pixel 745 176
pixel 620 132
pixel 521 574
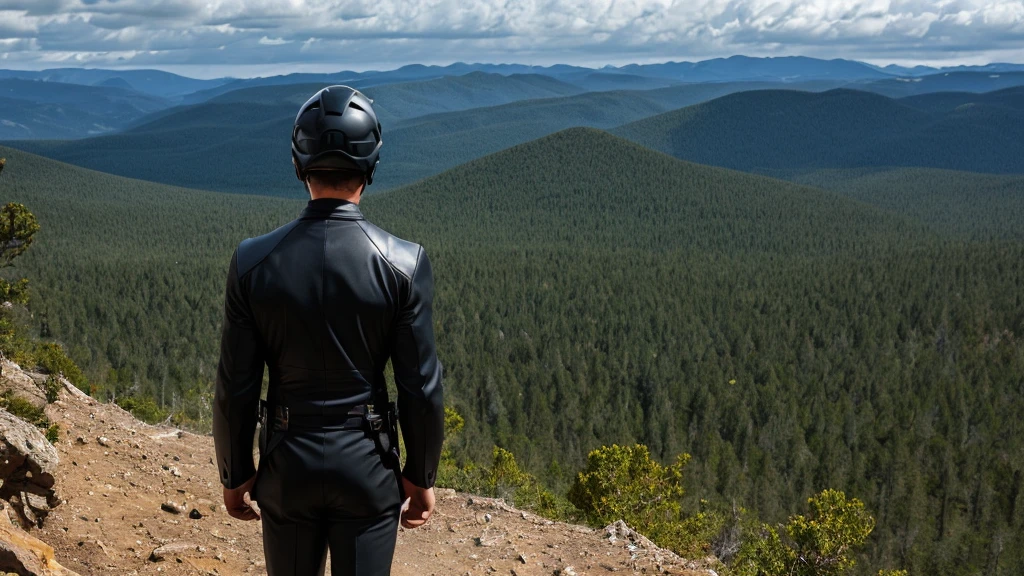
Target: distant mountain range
pixel 238 142
pixel 428 127
pixel 735 68
pixel 152 82
pixel 76 103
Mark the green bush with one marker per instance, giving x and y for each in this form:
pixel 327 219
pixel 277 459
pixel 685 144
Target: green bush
pixel 18 227
pixel 16 292
pixel 145 409
pixel 53 388
pixel 502 479
pixel 13 343
pixel 193 407
pixel 51 357
pixel 819 544
pixel 53 433
pixel 623 482
pixel 23 409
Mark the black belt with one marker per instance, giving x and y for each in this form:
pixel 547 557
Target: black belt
pixel 358 418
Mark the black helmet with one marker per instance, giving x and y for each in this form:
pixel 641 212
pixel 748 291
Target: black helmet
pixel 336 129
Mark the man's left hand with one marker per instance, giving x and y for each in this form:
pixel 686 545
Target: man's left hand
pixel 238 502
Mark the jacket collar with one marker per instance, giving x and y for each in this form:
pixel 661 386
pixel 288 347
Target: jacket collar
pixel 331 208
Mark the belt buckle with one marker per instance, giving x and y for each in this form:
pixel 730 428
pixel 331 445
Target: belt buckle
pixel 374 421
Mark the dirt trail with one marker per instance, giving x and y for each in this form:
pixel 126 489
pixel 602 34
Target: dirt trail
pixel 129 488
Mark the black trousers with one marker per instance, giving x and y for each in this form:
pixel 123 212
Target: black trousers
pixel 323 489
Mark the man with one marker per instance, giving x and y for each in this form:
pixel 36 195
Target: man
pixel 324 302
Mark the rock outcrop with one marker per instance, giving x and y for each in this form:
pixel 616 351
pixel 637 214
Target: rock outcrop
pixel 27 464
pixel 20 384
pixel 24 554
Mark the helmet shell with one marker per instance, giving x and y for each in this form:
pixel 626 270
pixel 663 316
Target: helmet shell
pixel 337 129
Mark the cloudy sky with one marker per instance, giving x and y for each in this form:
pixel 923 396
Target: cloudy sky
pixel 258 37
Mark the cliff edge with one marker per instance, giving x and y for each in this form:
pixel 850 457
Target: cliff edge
pixel 139 499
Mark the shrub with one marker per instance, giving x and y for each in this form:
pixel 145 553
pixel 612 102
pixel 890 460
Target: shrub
pixel 15 292
pixel 145 409
pixel 819 544
pixel 51 357
pixel 18 227
pixel 53 388
pixel 53 433
pixel 623 482
pixel 502 479
pixel 23 409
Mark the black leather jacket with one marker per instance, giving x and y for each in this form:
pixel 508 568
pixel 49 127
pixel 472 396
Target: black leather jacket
pixel 324 301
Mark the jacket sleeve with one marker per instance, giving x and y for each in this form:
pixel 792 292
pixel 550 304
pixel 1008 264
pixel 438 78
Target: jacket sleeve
pixel 239 382
pixel 418 377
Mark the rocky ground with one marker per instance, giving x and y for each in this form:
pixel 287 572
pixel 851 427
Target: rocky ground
pixel 141 499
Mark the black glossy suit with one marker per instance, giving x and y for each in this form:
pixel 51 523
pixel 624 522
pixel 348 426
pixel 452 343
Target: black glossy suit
pixel 324 302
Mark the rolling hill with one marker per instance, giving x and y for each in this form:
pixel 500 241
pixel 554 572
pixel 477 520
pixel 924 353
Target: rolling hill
pixel 153 82
pixel 577 173
pixel 629 77
pixel 746 68
pixel 426 145
pixel 249 132
pixel 249 129
pixel 787 130
pixel 977 207
pixel 938 102
pixel 37 109
pixel 944 82
pixel 410 99
pixel 413 73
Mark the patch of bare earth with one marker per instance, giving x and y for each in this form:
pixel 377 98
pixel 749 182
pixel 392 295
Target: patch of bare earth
pixel 141 499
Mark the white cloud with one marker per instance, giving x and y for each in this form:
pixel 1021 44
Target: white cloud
pixel 265 41
pixel 393 32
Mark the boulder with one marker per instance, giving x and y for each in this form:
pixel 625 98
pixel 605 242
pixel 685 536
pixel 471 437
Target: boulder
pixel 27 464
pixel 24 554
pixel 21 384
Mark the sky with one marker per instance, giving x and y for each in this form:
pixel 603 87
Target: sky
pixel 243 38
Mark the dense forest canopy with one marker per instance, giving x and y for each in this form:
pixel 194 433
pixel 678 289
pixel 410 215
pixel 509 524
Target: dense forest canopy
pixel 590 291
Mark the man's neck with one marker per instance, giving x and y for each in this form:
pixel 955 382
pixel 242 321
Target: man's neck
pixel 352 197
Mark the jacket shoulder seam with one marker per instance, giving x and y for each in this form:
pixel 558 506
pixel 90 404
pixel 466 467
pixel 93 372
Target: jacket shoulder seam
pixel 386 256
pixel 291 226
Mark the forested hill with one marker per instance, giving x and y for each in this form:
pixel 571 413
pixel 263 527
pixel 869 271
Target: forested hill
pixel 239 142
pixel 621 196
pixel 778 130
pixel 1006 99
pixel 978 207
pixel 35 109
pixel 591 291
pixel 393 102
pixel 429 127
pixel 427 145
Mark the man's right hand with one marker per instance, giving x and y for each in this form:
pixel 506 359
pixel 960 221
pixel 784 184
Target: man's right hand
pixel 421 505
pixel 238 503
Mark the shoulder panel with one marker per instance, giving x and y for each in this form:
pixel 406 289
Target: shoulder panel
pixel 401 254
pixel 252 251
